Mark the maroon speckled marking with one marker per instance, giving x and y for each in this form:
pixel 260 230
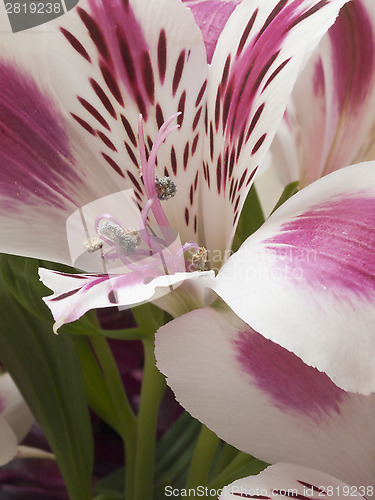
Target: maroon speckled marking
pixel 279 7
pixel 255 120
pixel 197 117
pixel 191 195
pixel 103 97
pixel 84 124
pixel 178 72
pixel 246 32
pixel 94 112
pixel 113 164
pixel 196 181
pixel 194 144
pixel 201 93
pixel 148 77
pixel 195 223
pixel 129 130
pixel 187 216
pixel 218 174
pixel 173 160
pixel 186 155
pixel 308 13
pixel 181 108
pixel 131 154
pixel 224 77
pixel 76 44
pixel 159 115
pixel 106 141
pixel 275 73
pixel 258 144
pixel 251 176
pixel 111 83
pixel 217 109
pixel 65 295
pixel 134 181
pixel 242 180
pixel 211 142
pixel 95 33
pixel 162 55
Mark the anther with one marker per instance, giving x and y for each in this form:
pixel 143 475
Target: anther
pixel 126 239
pixel 199 259
pixel 165 187
pixel 92 245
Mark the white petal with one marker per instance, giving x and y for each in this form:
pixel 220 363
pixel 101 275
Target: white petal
pixel 263 399
pixel 306 278
pixel 286 480
pixel 255 65
pixel 14 408
pixel 8 448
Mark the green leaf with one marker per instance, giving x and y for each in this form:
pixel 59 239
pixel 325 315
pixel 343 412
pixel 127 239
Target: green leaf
pixel 251 219
pixel 288 192
pixel 47 371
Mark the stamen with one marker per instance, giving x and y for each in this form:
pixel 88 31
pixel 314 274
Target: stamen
pixel 199 259
pixel 126 241
pixel 92 245
pixel 165 188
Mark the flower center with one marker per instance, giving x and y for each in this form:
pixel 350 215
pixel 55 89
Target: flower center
pixel 128 245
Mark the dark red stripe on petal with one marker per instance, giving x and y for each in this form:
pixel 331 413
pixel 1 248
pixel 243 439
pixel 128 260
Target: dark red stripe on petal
pixel 242 180
pixel 187 216
pixel 162 55
pixel 94 32
pixel 251 176
pixel 111 83
pixel 194 144
pixel 181 108
pixel 129 130
pixel 195 223
pixel 159 115
pixel 275 73
pixel 113 164
pixel 265 69
pixel 131 154
pixel 196 181
pixel 134 181
pixel 224 77
pixel 126 57
pixel 83 124
pixel 94 112
pixel 191 195
pixel 76 44
pixel 279 7
pixel 258 144
pixel 201 93
pixel 217 109
pixel 178 72
pixel 148 77
pixel 173 160
pixel 186 155
pixel 246 32
pixel 231 163
pixel 308 13
pixel 218 174
pixel 107 141
pixel 312 487
pixel 254 121
pixel 196 118
pixel 227 104
pixel 65 295
pixel 103 97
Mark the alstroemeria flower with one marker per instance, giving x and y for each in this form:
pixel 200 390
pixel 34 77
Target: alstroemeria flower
pixel 71 132
pixel 330 122
pixel 262 398
pixel 293 481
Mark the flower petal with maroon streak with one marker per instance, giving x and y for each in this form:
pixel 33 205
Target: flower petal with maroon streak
pixel 255 65
pixel 75 294
pixel 306 278
pixel 263 399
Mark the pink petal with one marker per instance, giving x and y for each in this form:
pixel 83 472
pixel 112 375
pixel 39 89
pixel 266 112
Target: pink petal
pixel 310 267
pixel 263 399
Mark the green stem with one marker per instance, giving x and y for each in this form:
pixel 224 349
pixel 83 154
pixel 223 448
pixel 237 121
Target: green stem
pixel 153 387
pixel 202 458
pixel 225 476
pixel 122 405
